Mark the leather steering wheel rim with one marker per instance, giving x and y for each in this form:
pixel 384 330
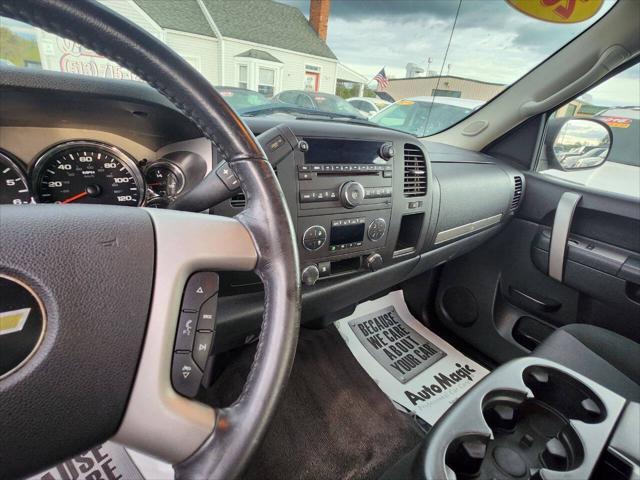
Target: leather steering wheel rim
pixel 238 429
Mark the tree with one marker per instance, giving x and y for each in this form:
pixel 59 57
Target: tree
pixel 18 50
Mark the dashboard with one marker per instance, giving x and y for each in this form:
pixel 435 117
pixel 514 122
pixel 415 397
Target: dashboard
pixel 372 207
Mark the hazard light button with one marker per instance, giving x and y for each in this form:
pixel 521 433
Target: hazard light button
pixel 200 287
pixel 185 374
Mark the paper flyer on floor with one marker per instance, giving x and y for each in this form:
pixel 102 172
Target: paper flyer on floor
pixel 412 365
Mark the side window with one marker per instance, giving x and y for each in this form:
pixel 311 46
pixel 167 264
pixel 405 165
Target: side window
pixel 579 147
pixel 287 97
pixel 304 101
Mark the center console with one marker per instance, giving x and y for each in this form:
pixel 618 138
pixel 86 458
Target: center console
pixel 529 419
pixel 345 192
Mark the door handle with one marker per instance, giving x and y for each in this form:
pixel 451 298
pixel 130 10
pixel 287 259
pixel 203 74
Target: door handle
pixel 560 233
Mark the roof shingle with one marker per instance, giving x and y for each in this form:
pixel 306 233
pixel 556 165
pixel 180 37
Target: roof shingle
pixel 263 22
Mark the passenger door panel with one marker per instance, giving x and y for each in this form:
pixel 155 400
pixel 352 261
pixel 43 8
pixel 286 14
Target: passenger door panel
pixel 506 280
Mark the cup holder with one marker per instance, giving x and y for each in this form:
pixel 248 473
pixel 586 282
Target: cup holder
pixel 565 394
pixel 528 433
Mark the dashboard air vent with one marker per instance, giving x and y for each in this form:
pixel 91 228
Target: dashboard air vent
pixel 415 171
pixel 517 192
pixel 239 201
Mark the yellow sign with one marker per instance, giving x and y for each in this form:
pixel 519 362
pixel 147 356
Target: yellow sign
pixel 558 11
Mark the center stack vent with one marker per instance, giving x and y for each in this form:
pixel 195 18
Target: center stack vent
pixel 415 171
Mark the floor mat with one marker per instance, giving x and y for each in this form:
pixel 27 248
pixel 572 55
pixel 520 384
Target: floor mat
pixel 333 421
pixel 413 366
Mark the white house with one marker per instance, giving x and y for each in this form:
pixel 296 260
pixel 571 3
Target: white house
pixel 231 42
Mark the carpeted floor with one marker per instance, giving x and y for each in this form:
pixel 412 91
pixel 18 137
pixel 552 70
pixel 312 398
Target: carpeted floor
pixel 333 421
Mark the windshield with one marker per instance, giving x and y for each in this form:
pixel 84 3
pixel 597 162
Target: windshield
pixel 332 104
pixel 243 99
pixel 258 51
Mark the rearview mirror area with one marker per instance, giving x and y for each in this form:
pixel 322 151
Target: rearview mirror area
pixel 577 143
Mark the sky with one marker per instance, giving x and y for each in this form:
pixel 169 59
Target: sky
pixel 492 41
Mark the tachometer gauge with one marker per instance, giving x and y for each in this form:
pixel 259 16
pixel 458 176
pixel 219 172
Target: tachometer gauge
pixel 87 172
pixel 164 179
pixel 14 188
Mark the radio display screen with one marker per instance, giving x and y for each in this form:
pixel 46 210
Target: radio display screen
pixel 327 151
pixel 347 234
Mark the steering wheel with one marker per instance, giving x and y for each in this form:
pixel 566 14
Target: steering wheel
pixel 109 281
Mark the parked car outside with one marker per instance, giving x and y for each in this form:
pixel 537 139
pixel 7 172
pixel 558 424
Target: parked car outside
pixel 324 102
pixel 241 98
pixel 368 105
pixel 423 116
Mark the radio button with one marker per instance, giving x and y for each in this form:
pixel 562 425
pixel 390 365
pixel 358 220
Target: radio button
pixel 305 176
pixel 304 168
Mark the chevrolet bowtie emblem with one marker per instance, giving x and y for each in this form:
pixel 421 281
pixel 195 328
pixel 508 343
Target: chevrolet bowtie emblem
pixel 13 321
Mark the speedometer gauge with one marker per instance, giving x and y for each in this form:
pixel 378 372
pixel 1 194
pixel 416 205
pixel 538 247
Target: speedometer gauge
pixel 88 172
pixel 13 183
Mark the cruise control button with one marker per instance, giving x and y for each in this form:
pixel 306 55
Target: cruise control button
pixel 186 331
pixel 228 177
pixel 200 287
pixel 202 347
pixel 185 374
pixel 207 314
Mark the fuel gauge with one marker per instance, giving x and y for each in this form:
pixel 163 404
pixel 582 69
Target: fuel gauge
pixel 164 179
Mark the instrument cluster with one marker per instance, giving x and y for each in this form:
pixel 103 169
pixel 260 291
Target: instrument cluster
pixel 85 171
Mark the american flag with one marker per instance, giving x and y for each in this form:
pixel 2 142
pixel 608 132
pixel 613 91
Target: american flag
pixel 381 78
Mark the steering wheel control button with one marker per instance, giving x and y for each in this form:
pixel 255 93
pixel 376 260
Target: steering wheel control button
pixel 185 374
pixel 314 238
pixel 351 194
pixel 227 176
pixel 376 229
pixel 186 331
pixel 200 287
pixel 22 324
pixel 202 347
pixel 207 314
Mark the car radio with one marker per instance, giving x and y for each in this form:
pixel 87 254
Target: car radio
pixel 345 191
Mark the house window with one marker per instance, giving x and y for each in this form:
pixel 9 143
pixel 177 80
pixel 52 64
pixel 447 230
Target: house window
pixel 266 81
pixel 243 76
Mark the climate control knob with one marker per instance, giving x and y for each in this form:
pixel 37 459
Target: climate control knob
pixel 310 275
pixel 314 238
pixel 351 194
pixel 376 229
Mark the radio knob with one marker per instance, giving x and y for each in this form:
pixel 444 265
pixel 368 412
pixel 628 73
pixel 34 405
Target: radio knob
pixel 386 151
pixel 351 194
pixel 310 275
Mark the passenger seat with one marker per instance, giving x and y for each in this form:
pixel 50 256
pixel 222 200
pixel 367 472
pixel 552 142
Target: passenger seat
pixel 599 354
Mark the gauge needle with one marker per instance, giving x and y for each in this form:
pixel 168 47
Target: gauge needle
pixel 75 197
